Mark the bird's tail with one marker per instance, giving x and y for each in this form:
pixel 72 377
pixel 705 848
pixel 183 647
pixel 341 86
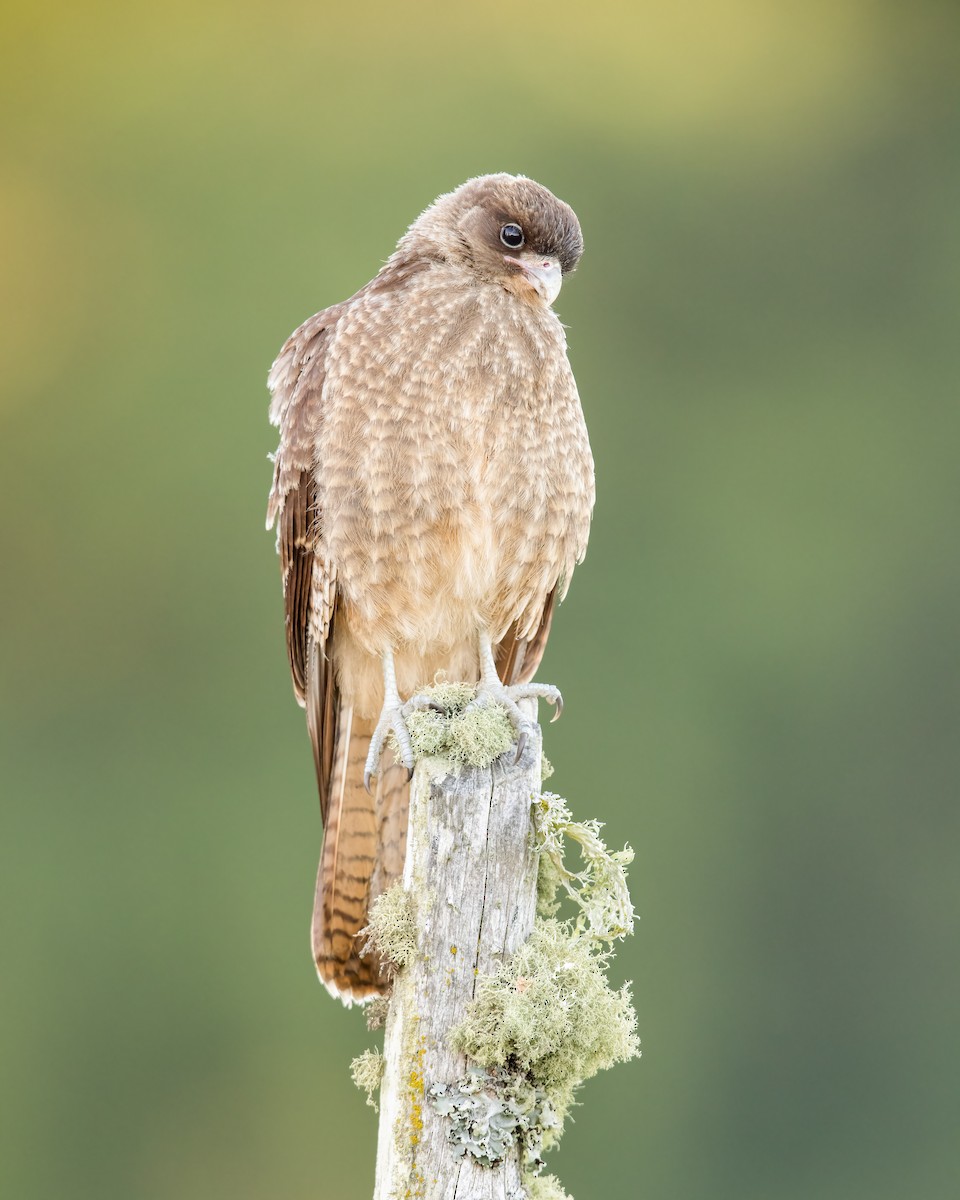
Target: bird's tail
pixel 364 843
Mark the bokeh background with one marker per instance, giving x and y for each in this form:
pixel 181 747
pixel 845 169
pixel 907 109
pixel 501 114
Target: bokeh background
pixel 759 657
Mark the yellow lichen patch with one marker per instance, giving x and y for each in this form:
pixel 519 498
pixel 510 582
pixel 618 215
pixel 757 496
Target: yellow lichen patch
pixel 415 1095
pixel 407 1180
pixel 408 1131
pixel 417 1181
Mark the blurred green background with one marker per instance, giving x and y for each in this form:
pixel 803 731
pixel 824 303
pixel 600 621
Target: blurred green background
pixel 759 657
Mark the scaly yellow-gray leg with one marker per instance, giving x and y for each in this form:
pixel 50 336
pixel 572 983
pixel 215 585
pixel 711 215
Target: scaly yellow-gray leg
pixel 391 721
pixel 493 691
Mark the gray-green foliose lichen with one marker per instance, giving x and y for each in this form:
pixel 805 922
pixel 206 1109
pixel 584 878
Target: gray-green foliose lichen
pixel 490 1112
pixel 454 728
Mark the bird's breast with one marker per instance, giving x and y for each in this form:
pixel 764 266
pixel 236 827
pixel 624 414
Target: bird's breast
pixel 447 464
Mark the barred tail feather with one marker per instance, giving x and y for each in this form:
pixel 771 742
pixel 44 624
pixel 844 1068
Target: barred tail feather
pixel 364 843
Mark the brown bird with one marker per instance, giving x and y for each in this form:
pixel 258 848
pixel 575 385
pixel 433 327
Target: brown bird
pixel 432 490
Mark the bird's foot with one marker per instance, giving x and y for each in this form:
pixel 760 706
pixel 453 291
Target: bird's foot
pixel 421 701
pixel 509 696
pixel 391 721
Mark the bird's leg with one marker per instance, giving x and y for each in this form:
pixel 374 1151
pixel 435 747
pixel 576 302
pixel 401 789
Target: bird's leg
pixel 391 720
pixel 492 690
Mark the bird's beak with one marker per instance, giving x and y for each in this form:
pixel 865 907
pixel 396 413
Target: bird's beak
pixel 543 274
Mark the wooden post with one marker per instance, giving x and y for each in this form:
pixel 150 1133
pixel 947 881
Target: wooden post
pixel 471 871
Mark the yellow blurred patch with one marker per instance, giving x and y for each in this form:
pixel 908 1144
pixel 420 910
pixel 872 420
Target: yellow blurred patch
pixel 42 286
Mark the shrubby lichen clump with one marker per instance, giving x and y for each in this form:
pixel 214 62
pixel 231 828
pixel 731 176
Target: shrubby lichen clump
pixel 367 1072
pixel 453 728
pixel 392 926
pixel 550 1016
pixel 599 888
pixel 544 1187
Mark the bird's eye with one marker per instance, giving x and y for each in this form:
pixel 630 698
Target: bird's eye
pixel 512 236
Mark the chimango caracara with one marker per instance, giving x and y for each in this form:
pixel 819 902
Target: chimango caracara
pixel 432 493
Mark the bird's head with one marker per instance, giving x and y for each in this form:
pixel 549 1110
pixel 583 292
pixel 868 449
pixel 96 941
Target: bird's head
pixel 505 229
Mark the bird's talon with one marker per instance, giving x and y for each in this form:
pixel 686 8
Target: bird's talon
pixel 391 721
pixel 521 746
pixel 508 695
pixel 419 703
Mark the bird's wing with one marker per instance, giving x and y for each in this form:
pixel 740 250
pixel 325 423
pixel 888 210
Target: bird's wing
pixel 517 658
pixel 519 652
pixel 309 578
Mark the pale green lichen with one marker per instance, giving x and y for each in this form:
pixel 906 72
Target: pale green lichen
pixel 550 1015
pixel 453 728
pixel 490 1112
pixel 544 1187
pixel 367 1071
pixel 599 888
pixel 546 767
pixel 392 927
pixel 548 885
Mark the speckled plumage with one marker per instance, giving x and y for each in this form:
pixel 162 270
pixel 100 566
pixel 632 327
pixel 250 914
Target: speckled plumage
pixel 433 482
